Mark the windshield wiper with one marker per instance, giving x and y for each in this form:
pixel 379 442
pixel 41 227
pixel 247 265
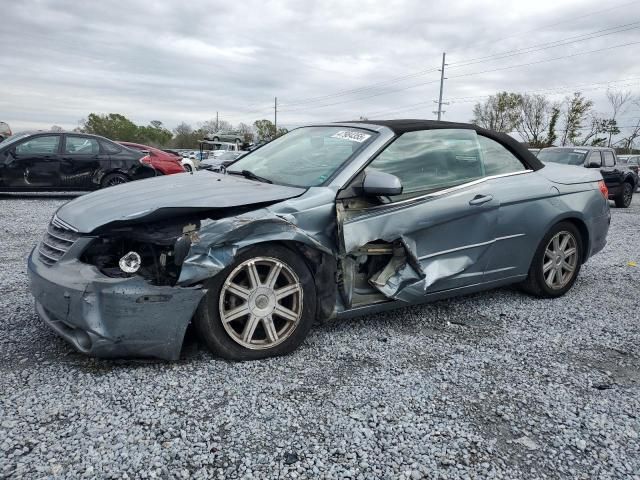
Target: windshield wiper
pixel 252 176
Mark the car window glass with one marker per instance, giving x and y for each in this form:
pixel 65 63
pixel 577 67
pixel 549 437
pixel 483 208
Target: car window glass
pixel 594 158
pixel 608 159
pixel 430 160
pixel 39 145
pixel 497 159
pixel 81 145
pixel 110 147
pixel 306 156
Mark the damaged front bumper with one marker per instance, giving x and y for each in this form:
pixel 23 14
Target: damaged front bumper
pixel 111 317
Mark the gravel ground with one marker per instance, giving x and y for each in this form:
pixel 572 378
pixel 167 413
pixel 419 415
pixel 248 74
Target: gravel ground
pixel 494 385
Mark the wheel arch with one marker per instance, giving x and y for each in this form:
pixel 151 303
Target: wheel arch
pixel 584 234
pixel 112 171
pixel 630 179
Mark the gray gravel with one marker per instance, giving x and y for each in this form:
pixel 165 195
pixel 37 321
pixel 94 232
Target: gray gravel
pixel 494 385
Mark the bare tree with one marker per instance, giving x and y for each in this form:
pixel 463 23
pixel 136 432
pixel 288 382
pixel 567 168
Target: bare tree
pixel 246 131
pixel 57 128
pixel 627 142
pixel 577 112
pixel 500 112
pixel 535 116
pixel 618 101
pixel 211 126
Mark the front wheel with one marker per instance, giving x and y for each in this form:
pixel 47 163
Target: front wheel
pixel 188 168
pixel 263 305
pixel 623 199
pixel 556 263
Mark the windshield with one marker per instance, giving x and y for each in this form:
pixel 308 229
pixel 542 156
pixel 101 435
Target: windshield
pixel 564 156
pixel 14 138
pixel 305 157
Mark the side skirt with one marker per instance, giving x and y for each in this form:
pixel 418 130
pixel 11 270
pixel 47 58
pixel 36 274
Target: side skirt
pixel 430 297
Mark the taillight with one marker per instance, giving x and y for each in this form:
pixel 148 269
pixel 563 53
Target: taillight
pixel 146 160
pixel 603 189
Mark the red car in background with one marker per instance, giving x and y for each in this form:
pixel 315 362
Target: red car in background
pixel 162 161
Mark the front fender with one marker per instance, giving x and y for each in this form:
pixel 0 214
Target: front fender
pixel 220 241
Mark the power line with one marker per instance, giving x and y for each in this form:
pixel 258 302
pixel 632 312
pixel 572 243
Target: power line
pixel 533 48
pixel 558 89
pixel 545 46
pixel 572 19
pixel 360 89
pixel 545 60
pixel 465 75
pixel 308 101
pixel 361 98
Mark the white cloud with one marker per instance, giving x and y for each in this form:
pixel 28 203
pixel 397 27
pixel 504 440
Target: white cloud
pixel 183 61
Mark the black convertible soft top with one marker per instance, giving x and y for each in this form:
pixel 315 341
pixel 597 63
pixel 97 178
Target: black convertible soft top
pixel 411 125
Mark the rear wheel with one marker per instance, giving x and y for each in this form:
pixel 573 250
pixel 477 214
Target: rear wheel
pixel 263 305
pixel 215 139
pixel 556 263
pixel 623 199
pixel 114 179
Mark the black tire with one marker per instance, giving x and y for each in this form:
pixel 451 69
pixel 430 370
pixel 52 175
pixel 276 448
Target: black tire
pixel 114 179
pixel 238 142
pixel 535 283
pixel 188 168
pixel 215 139
pixel 208 321
pixel 624 198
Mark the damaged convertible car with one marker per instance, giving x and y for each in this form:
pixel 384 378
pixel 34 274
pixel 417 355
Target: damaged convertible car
pixel 327 221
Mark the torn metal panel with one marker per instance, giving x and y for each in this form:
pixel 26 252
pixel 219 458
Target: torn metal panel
pixel 427 229
pixel 310 222
pixel 399 273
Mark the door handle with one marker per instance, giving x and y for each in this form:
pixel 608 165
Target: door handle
pixel 480 199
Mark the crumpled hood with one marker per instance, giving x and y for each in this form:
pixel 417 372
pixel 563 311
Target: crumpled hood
pixel 569 174
pixel 165 196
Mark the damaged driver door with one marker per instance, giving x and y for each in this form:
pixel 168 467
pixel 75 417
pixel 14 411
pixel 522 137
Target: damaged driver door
pixel 433 236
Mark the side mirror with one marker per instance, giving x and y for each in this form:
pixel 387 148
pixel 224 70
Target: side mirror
pixel 377 184
pixel 593 164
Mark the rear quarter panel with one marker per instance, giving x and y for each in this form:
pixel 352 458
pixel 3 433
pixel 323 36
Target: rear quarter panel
pixel 530 205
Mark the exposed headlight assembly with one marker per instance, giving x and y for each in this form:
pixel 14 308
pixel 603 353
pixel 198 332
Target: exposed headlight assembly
pixel 130 263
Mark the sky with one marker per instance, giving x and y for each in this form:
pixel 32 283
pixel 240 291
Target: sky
pixel 330 60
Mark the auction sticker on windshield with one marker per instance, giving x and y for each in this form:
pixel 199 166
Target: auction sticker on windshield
pixel 351 135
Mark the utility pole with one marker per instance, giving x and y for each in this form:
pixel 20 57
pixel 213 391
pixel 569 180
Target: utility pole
pixel 275 113
pixel 442 78
pixel 217 124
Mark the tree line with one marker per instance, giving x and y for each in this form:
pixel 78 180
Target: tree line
pixel 118 127
pixel 573 121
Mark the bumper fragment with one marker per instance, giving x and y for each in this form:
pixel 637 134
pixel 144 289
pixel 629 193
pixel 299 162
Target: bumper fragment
pixel 111 317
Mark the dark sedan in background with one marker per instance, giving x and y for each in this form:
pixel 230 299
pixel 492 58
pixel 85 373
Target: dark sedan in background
pixel 48 161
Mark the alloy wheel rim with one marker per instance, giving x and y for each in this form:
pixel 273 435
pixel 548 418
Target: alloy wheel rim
pixel 116 181
pixel 261 303
pixel 560 260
